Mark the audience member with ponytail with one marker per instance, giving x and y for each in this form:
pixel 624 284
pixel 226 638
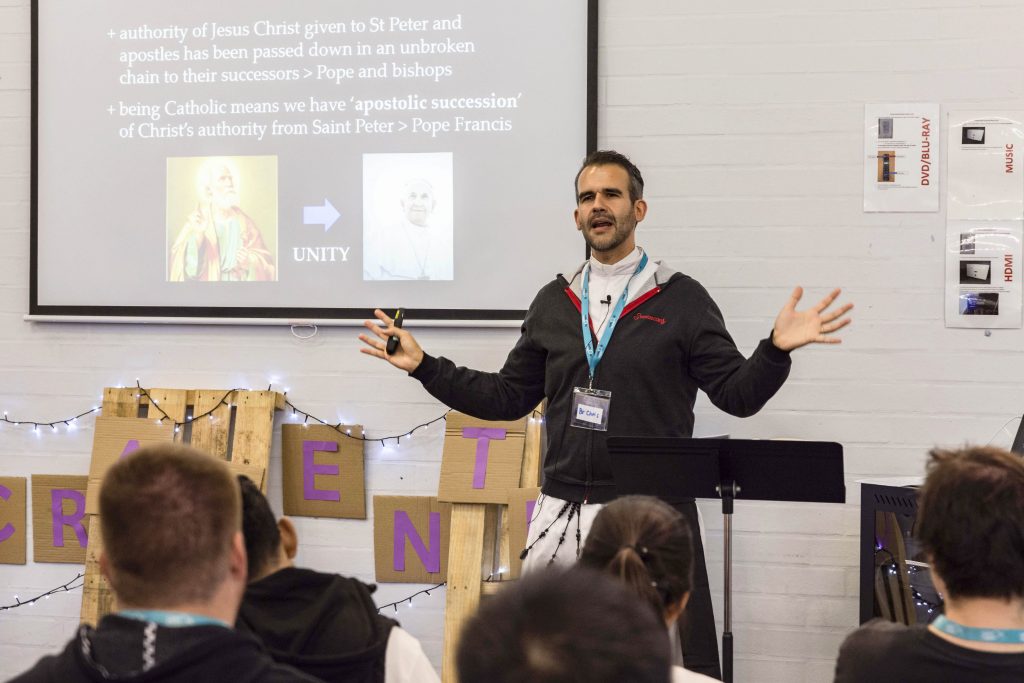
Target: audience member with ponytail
pixel 646 544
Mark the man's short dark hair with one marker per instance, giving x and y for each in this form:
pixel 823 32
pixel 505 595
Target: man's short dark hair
pixel 607 157
pixel 971 521
pixel 558 626
pixel 168 516
pixel 262 536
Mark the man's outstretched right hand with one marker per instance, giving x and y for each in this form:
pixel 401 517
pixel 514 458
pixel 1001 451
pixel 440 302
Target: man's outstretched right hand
pixel 407 356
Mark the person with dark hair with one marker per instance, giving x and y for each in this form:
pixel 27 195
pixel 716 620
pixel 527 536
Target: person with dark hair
pixel 563 626
pixel 645 543
pixel 970 522
pixel 173 552
pixel 324 624
pixel 619 348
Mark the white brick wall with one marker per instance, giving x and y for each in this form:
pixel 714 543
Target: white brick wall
pixel 746 119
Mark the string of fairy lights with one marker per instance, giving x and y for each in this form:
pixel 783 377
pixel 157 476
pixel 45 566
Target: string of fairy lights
pixel 64 588
pixel 79 581
pixel 892 566
pixel 494 576
pixel 296 413
pixel 346 431
pixel 71 424
pixel 396 603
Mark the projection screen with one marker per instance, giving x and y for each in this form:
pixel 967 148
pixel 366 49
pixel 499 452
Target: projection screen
pixel 306 161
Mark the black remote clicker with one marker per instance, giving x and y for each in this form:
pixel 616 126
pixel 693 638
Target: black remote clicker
pixel 393 339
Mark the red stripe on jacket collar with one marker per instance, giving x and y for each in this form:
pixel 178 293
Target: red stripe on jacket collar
pixel 574 299
pixel 640 299
pixel 579 307
pixel 632 305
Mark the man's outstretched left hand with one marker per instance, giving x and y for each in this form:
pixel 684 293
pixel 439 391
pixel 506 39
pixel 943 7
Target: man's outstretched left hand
pixel 815 325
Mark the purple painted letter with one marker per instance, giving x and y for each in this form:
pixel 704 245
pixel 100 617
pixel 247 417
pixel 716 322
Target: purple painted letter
pixel 483 435
pixel 530 504
pixel 311 469
pixel 430 557
pixel 8 529
pixel 74 520
pixel 130 447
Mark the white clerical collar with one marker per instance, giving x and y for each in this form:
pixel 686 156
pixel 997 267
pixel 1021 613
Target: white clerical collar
pixel 624 267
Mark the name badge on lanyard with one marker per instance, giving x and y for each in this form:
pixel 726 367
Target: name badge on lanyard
pixel 590 406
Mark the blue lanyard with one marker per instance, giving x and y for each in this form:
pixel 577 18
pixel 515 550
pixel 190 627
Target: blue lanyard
pixel 171 619
pixel 980 635
pixel 594 356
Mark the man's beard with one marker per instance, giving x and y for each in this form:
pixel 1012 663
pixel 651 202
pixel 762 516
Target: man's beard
pixel 622 229
pixel 226 200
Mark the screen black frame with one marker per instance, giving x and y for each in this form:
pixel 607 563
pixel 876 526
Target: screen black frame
pixel 211 314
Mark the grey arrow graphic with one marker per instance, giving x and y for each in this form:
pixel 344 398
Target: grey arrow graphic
pixel 324 215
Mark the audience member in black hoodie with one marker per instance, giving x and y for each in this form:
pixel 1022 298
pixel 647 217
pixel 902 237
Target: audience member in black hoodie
pixel 324 624
pixel 174 555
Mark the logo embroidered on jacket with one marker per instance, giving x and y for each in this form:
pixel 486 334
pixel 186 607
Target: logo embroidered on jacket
pixel 641 316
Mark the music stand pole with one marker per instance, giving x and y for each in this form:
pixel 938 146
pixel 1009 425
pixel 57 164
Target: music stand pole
pixel 728 493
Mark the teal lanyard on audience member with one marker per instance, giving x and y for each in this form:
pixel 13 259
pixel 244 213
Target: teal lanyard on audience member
pixel 594 355
pixel 979 635
pixel 171 619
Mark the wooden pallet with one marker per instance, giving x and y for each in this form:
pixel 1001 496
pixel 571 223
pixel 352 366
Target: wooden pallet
pixel 241 434
pixel 479 546
pixel 893 592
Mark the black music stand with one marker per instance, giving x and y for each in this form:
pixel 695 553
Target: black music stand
pixel 677 470
pixel 1018 440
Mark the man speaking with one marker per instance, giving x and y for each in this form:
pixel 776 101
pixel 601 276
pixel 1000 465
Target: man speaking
pixel 620 348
